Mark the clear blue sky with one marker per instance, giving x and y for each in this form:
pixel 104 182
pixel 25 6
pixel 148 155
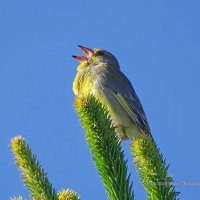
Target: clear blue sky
pixel 157 44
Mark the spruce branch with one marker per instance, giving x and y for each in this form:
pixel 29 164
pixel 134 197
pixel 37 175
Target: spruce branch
pixel 104 145
pixel 152 169
pixel 68 195
pixel 33 174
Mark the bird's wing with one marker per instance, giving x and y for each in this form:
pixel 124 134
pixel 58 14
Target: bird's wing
pixel 126 96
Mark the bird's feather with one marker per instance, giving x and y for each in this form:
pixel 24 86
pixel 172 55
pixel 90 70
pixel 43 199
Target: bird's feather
pixel 126 96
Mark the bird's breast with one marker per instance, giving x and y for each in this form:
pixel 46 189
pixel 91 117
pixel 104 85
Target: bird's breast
pixel 83 83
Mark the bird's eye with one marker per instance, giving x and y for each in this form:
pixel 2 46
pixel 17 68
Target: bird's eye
pixel 100 53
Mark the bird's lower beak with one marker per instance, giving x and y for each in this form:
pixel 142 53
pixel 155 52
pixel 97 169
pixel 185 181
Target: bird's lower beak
pixel 80 58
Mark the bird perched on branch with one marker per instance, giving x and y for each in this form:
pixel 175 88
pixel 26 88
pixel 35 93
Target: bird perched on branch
pixel 99 74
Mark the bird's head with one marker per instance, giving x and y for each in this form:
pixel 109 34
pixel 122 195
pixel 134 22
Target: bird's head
pixel 96 58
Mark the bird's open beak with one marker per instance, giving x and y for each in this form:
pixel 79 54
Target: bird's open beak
pixel 80 58
pixel 88 53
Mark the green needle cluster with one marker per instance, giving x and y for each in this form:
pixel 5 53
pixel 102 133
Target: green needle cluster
pixel 104 145
pixel 152 169
pixel 68 195
pixel 34 175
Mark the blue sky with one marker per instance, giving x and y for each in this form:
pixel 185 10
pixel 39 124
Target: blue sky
pixel 157 44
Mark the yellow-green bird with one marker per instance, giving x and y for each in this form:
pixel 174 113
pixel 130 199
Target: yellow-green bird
pixel 99 74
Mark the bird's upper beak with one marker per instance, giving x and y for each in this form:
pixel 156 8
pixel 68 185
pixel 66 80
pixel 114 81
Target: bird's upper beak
pixel 88 53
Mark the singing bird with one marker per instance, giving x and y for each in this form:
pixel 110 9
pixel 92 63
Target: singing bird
pixel 99 74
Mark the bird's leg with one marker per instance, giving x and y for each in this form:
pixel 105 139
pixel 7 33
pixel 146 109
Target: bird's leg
pixel 117 126
pixel 121 137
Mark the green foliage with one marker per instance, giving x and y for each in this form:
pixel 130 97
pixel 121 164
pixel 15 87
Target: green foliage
pixel 104 145
pixel 33 175
pixel 152 169
pixel 108 158
pixel 68 195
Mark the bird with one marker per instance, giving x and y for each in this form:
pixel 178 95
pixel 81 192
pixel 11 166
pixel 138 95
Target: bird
pixel 99 74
